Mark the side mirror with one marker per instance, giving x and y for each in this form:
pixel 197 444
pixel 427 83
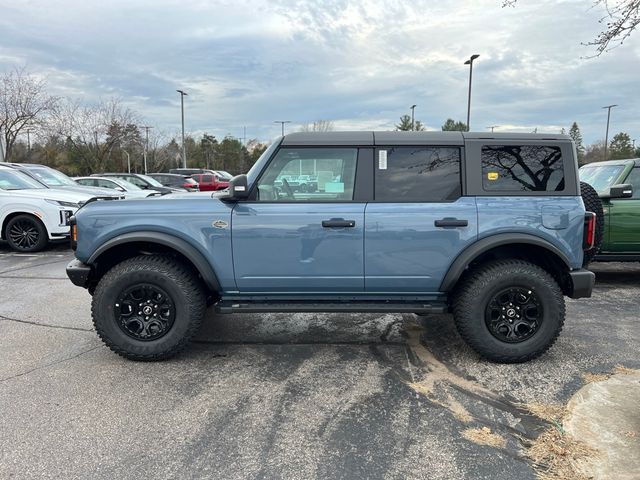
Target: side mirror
pixel 120 189
pixel 238 188
pixel 621 191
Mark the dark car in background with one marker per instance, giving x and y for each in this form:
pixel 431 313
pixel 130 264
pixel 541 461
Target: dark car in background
pixel 143 181
pixel 209 182
pixel 176 181
pixel 189 171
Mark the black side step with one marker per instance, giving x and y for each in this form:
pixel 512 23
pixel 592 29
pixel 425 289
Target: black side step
pixel 229 306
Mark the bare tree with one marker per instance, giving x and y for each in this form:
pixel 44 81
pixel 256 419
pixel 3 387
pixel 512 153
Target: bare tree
pixel 318 126
pixel 93 132
pixel 24 103
pixel 621 19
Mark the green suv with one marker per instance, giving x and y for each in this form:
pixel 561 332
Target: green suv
pixel 618 185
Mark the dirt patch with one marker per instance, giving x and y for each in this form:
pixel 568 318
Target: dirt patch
pixel 549 412
pixel 484 436
pixel 595 377
pixel 558 456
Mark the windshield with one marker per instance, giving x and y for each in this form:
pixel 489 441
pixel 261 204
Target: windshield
pixel 224 176
pixel 152 181
pixel 601 177
pixel 257 167
pixel 51 177
pixel 13 180
pixel 128 186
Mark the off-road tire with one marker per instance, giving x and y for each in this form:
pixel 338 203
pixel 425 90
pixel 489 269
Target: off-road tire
pixel 592 203
pixel 34 225
pixel 180 283
pixel 481 284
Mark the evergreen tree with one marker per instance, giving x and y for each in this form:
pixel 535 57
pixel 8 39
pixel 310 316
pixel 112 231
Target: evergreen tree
pixel 621 146
pixel 405 124
pixel 576 136
pixel 452 126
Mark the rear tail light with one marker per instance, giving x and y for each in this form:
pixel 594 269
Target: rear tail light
pixel 589 231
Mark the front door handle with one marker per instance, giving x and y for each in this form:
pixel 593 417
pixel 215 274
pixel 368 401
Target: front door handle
pixel 338 223
pixel 451 222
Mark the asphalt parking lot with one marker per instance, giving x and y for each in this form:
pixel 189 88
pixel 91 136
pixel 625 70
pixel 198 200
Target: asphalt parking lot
pixel 281 396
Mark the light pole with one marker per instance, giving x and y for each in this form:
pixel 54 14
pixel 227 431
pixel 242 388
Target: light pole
pixel 492 127
pixel 606 136
pixel 128 161
pixel 282 122
pixel 146 142
pixel 470 63
pixel 413 118
pixel 184 151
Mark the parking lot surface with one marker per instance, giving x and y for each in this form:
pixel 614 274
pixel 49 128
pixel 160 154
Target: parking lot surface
pixel 282 396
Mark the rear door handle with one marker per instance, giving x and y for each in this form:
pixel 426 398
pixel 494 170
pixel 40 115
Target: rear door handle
pixel 451 222
pixel 338 223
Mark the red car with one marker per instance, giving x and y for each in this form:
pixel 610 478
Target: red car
pixel 210 181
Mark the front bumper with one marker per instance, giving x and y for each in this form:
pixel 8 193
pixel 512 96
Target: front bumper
pixel 582 281
pixel 79 273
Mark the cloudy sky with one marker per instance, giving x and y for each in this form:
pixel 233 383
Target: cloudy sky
pixel 359 63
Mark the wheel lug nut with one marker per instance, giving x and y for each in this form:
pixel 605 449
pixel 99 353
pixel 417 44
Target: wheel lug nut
pixel 139 313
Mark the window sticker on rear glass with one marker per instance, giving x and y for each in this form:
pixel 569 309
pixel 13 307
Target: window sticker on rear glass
pixel 492 175
pixel 382 159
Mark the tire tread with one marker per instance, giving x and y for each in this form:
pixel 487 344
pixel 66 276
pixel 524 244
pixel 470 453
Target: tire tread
pixel 184 278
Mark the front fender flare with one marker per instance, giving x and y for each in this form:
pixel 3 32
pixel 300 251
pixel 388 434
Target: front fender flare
pixel 181 246
pixel 472 252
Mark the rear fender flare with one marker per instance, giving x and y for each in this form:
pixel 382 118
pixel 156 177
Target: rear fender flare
pixel 473 251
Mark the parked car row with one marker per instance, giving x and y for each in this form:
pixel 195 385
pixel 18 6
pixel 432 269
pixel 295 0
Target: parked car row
pixel 37 201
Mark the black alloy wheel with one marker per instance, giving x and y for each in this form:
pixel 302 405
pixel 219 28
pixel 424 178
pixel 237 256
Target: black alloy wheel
pixel 514 314
pixel 25 233
pixel 144 312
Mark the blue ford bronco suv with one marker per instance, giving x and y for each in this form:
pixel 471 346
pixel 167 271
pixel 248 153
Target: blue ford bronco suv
pixel 490 227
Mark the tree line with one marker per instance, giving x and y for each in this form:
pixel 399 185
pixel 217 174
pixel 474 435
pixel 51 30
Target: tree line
pixel 81 139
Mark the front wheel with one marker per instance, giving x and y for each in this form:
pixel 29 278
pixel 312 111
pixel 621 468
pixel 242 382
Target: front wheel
pixel 148 307
pixel 509 311
pixel 26 233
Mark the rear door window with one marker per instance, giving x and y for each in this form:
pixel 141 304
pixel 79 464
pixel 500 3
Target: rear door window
pixel 417 174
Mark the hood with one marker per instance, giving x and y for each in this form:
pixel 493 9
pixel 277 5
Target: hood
pixel 93 191
pixel 50 194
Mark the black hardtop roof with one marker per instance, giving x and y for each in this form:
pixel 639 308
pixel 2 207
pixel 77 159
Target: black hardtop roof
pixel 408 138
pixel 622 161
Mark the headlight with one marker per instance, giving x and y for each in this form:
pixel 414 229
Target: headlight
pixel 61 203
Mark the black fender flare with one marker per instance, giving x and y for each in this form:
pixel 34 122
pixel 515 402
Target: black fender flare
pixel 179 245
pixel 485 244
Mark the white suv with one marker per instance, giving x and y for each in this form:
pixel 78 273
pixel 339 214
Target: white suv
pixel 30 214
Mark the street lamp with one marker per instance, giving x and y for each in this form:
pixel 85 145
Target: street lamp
pixel 128 161
pixel 146 142
pixel 413 123
pixel 606 137
pixel 184 151
pixel 470 63
pixel 282 122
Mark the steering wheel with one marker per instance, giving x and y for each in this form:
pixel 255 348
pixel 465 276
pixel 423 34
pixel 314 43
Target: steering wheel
pixel 287 188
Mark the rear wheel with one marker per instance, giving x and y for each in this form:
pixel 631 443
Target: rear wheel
pixel 509 311
pixel 592 203
pixel 26 233
pixel 148 307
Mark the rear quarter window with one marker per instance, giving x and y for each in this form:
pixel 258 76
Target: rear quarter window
pixel 518 168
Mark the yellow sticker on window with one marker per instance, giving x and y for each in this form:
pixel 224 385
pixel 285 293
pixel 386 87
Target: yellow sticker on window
pixel 492 175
